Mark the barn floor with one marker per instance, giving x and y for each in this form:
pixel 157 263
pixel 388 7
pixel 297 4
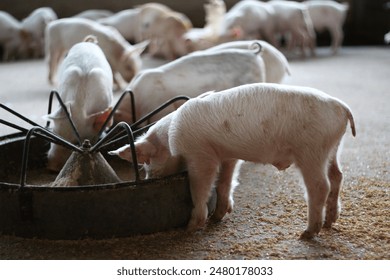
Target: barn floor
pixel 270 211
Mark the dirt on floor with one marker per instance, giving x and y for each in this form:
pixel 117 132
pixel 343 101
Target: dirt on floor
pixel 270 209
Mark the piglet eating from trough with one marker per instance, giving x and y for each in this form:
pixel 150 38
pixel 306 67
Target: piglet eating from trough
pixel 62 34
pixel 261 123
pixel 85 87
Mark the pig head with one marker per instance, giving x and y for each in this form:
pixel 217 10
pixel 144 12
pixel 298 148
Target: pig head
pixel 127 61
pixel 152 151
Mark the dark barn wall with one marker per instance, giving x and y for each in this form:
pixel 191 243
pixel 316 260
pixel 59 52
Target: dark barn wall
pixel 366 23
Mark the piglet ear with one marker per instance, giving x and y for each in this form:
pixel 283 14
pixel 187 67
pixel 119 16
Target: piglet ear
pixel 140 47
pixel 144 151
pixel 59 114
pixel 100 118
pixel 123 152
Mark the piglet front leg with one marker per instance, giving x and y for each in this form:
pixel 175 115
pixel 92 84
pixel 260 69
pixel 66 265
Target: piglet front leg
pixel 202 173
pixel 224 189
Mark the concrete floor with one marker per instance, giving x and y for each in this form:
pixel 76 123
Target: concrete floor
pixel 270 210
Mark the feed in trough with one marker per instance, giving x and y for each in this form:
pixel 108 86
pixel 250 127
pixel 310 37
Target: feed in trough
pixel 86 168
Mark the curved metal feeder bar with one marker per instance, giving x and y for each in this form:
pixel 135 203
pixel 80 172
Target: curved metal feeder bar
pixel 57 95
pixel 120 137
pixel 133 206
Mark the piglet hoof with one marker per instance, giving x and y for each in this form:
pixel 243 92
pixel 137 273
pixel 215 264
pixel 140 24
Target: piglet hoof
pixel 328 224
pixel 196 224
pixel 221 211
pixel 219 214
pixel 307 235
pixel 230 208
pixel 330 218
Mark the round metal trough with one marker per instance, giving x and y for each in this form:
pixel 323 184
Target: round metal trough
pixel 36 210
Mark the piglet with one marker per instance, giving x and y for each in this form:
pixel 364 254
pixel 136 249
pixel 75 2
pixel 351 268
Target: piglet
pixel 254 19
pixel 13 38
pixel 126 22
pixel 35 23
pixel 94 14
pixel 191 75
pixel 261 123
pixel 167 36
pixel 387 38
pixel 211 34
pixel 62 34
pixel 330 16
pixel 85 86
pixel 149 14
pixel 293 21
pixel 276 64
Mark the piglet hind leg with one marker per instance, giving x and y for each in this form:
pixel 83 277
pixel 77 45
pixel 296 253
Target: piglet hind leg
pixel 333 202
pixel 54 60
pixel 337 38
pixel 202 174
pixel 317 186
pixel 224 190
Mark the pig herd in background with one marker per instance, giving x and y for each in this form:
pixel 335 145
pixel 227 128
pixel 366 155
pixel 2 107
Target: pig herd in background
pixel 26 38
pixel 230 69
pixel 172 35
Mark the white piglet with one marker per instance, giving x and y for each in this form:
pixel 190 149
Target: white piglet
pixel 293 20
pixel 329 15
pixel 253 19
pixel 211 34
pixel 262 123
pixel 62 34
pixel 85 86
pixel 126 22
pixel 387 38
pixel 13 38
pixel 276 64
pixel 167 36
pixel 94 14
pixel 149 14
pixel 35 23
pixel 191 75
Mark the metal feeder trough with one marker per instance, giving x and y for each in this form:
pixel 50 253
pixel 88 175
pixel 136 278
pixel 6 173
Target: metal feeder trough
pixel 30 207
